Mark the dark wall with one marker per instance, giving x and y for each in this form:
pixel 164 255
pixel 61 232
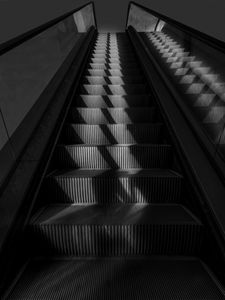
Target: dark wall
pixel 19 16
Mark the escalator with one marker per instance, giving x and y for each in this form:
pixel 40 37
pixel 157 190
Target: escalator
pixel 111 222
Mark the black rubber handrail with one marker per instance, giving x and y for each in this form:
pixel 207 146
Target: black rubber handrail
pixel 14 42
pixel 211 41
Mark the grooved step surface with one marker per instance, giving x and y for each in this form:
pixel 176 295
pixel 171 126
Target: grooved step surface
pixel 119 101
pixel 115 186
pixel 116 230
pixel 112 80
pixel 112 60
pixel 113 72
pixel 113 89
pixel 112 66
pixel 127 57
pixel 112 115
pixel 107 134
pixel 117 279
pixel 122 157
pixel 116 214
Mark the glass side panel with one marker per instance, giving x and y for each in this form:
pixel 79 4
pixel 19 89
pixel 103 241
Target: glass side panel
pixel 84 18
pixel 198 72
pixel 6 154
pixel 141 20
pixel 26 70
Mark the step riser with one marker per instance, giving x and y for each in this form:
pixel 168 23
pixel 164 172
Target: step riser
pixel 113 66
pixel 112 116
pixel 128 89
pixel 113 157
pixel 113 61
pixel 112 189
pixel 112 101
pixel 112 52
pixel 112 80
pixel 112 48
pixel 126 57
pixel 106 135
pixel 113 72
pixel 116 240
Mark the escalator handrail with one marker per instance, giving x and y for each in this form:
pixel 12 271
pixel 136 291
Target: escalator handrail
pixel 203 37
pixel 20 39
pixel 208 174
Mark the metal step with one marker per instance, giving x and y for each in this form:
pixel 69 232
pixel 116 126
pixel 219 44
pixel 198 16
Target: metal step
pixel 112 66
pixel 114 56
pixel 113 89
pixel 114 186
pixel 115 157
pixel 112 52
pixel 104 60
pixel 117 279
pixel 113 72
pixel 125 101
pixel 108 59
pixel 112 115
pixel 114 230
pixel 112 80
pixel 107 134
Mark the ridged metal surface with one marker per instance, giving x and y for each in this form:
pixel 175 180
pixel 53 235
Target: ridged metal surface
pixel 112 66
pixel 112 80
pixel 98 101
pixel 116 240
pixel 97 116
pixel 117 279
pixel 114 188
pixel 112 134
pixel 100 157
pixel 112 72
pixel 113 89
pixel 113 57
pixel 117 60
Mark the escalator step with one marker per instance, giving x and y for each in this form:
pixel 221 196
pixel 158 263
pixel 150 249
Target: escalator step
pixel 112 80
pixel 116 60
pixel 107 134
pixel 112 72
pixel 112 115
pixel 116 157
pixel 112 66
pixel 114 230
pixel 106 101
pixel 113 89
pixel 115 56
pixel 114 186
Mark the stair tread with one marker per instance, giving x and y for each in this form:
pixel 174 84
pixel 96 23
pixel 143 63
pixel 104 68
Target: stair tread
pixel 112 115
pixel 142 125
pixel 114 214
pixel 107 72
pixel 105 80
pixel 117 146
pixel 116 89
pixel 117 279
pixel 115 97
pixel 161 173
pixel 113 109
pixel 112 133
